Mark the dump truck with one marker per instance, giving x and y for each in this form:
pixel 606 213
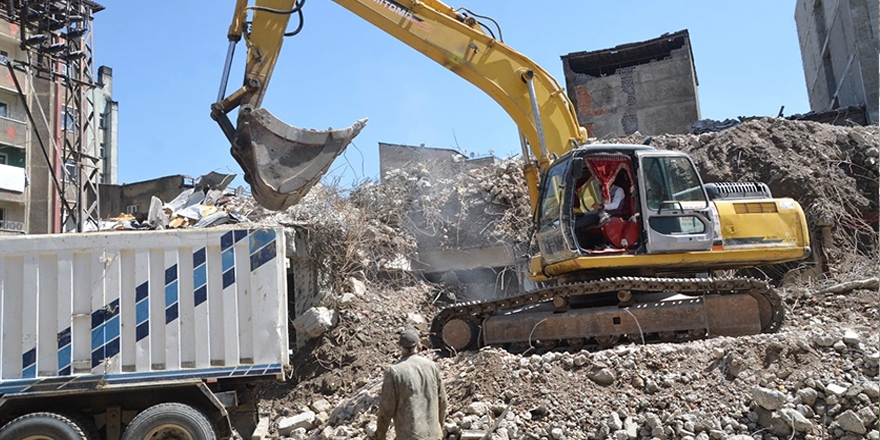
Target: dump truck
pixel 139 335
pixel 660 264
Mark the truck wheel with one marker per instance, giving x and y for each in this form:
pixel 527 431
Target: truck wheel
pixel 167 421
pixel 44 426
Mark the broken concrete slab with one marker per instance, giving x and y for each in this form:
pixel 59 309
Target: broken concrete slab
pixel 314 322
pixel 303 420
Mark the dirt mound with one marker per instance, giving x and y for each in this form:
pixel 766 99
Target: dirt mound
pixel 815 379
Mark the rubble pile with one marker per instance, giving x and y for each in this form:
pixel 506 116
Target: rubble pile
pixel 817 378
pixel 475 207
pixel 344 238
pixel 203 205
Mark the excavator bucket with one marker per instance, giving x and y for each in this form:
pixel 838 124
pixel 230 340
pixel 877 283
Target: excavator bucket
pixel 282 162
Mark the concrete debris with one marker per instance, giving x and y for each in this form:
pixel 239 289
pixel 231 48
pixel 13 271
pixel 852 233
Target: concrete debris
pixel 262 430
pixel 202 206
pixel 473 208
pixel 710 125
pixel 851 422
pixel 768 399
pixel 304 420
pixel 417 321
pixel 358 287
pixel 313 323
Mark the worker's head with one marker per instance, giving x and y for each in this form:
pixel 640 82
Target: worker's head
pixel 409 341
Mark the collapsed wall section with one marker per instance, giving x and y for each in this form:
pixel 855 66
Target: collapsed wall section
pixel 648 87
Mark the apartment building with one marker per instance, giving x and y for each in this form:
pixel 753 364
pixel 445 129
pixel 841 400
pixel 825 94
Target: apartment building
pixel 36 126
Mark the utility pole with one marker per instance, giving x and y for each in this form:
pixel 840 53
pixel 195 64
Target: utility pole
pixel 57 38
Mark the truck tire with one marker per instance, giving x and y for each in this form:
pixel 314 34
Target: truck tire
pixel 45 425
pixel 169 421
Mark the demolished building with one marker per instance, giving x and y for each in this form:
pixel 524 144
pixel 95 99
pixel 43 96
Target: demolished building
pixel 648 87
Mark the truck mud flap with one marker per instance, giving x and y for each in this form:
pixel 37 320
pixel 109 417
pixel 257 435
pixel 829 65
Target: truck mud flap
pixel 282 162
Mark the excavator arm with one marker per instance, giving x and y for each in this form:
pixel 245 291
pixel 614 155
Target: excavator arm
pixel 454 38
pixel 280 162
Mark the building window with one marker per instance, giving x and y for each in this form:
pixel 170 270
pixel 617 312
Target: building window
pixel 3 159
pixel 131 209
pixel 71 171
pixel 69 119
pixel 3 108
pixel 2 215
pixel 3 56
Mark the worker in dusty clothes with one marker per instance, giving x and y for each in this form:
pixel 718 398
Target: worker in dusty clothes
pixel 413 395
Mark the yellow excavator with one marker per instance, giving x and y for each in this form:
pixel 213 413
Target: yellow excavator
pixel 627 238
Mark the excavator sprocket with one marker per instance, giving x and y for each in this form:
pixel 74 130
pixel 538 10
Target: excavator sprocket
pixel 641 310
pixel 282 162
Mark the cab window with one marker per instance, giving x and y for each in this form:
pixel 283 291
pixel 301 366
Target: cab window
pixel 551 199
pixel 672 183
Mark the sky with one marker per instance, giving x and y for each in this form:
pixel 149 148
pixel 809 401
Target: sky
pixel 167 64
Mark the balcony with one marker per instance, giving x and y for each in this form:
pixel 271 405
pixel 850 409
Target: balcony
pixel 11 227
pixel 8 84
pixel 12 179
pixel 13 130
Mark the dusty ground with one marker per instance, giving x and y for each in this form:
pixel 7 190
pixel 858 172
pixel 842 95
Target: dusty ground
pixel 815 379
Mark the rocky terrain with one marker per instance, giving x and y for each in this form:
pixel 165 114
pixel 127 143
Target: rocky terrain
pixel 817 378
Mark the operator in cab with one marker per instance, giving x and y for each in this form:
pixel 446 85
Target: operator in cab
pixel 591 211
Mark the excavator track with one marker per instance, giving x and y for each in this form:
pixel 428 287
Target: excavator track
pixel 690 308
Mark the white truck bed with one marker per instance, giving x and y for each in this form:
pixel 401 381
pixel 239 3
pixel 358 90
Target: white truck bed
pixel 127 307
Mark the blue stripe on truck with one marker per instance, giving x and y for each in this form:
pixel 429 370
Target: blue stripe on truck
pixel 226 241
pixel 142 311
pixel 29 363
pixel 141 292
pixel 262 247
pixel 171 294
pixel 105 332
pixel 200 277
pixel 199 257
pixel 92 381
pixel 64 352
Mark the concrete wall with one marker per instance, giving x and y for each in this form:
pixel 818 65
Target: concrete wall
pixel 107 112
pixel 42 211
pixel 115 199
pixel 649 87
pixel 302 275
pixel 839 50
pixel 438 161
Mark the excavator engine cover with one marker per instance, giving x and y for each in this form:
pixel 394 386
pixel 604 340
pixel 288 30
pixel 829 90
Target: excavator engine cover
pixel 281 162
